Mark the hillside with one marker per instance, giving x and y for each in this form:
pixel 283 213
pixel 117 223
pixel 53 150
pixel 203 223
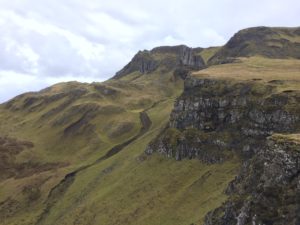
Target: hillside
pixel 178 136
pixel 270 42
pixel 248 109
pixel 80 143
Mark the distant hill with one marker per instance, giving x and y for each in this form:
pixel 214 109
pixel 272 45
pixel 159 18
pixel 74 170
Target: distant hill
pixel 263 41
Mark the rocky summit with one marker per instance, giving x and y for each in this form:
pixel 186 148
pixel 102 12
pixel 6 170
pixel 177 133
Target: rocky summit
pixel 179 136
pixel 165 58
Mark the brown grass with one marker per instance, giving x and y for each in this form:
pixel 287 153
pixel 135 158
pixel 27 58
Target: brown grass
pixel 255 68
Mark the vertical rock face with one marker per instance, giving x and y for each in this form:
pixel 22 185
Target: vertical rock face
pixel 166 58
pixel 267 190
pixel 214 115
pixel 142 62
pixel 188 57
pixel 251 107
pixel 214 119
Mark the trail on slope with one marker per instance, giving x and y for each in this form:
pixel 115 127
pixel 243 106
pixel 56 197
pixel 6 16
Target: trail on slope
pixel 62 187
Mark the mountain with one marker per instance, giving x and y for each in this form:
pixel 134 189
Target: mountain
pixel 180 135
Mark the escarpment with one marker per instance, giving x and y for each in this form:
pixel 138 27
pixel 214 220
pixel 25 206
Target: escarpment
pixel 215 119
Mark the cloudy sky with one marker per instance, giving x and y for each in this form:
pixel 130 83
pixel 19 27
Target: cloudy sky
pixel 43 42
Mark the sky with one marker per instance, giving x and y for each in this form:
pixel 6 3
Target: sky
pixel 43 42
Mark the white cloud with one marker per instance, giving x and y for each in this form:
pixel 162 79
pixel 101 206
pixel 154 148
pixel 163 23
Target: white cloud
pixel 48 41
pixel 12 82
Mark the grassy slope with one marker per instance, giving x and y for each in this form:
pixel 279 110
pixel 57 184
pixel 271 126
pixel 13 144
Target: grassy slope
pixel 270 42
pixel 144 190
pixel 285 71
pixel 207 53
pixel 128 188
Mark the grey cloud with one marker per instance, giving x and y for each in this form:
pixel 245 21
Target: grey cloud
pixel 54 40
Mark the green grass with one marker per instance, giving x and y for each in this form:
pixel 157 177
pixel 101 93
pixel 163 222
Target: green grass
pixel 262 70
pixel 130 187
pixel 51 145
pixel 138 189
pixel 207 53
pixel 154 190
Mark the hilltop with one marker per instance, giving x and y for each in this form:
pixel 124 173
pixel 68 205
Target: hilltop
pixel 270 42
pixel 163 60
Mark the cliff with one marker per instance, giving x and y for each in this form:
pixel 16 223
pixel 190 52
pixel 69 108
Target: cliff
pixel 165 59
pixel 213 117
pixel 267 190
pixel 215 120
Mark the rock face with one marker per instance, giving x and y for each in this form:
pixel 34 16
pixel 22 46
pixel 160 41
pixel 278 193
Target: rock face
pixel 264 41
pixel 166 58
pixel 212 116
pixel 267 190
pixel 214 119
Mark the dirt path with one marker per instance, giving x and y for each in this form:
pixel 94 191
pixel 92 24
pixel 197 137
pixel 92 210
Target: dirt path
pixel 61 188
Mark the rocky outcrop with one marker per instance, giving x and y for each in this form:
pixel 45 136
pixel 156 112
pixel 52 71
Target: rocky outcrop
pixel 165 58
pixel 214 119
pixel 212 116
pixel 142 62
pixel 267 190
pixel 190 143
pixel 185 56
pixel 251 107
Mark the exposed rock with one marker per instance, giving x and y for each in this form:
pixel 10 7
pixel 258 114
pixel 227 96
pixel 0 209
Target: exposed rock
pixel 142 62
pixel 190 143
pixel 166 58
pixel 267 190
pixel 215 118
pixel 225 115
